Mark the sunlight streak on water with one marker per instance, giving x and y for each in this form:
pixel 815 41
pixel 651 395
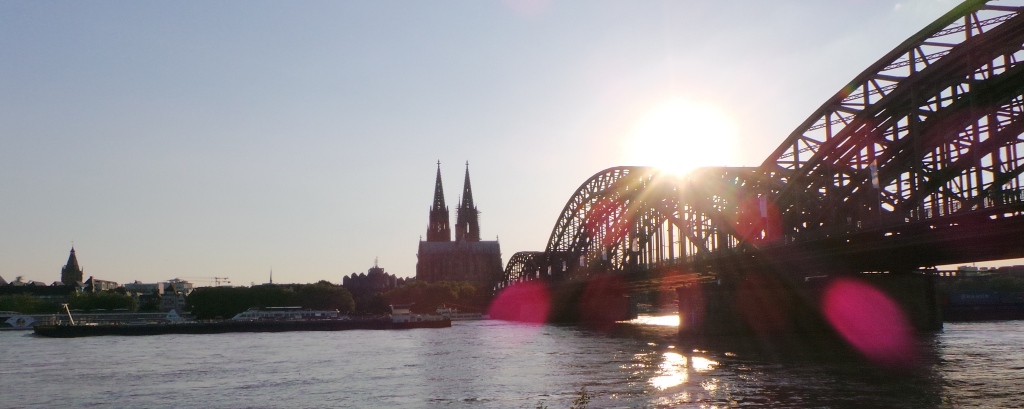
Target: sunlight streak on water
pixel 701 364
pixel 672 373
pixel 659 320
pixel 675 369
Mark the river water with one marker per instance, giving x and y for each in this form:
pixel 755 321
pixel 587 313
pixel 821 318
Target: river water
pixel 497 364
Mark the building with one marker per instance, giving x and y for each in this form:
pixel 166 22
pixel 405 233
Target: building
pixel 71 274
pixel 467 258
pixel 139 287
pixel 166 296
pixel 373 281
pixel 175 294
pixel 147 295
pixel 367 288
pixel 93 285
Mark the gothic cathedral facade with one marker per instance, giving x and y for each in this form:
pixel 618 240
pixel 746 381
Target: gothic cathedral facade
pixel 467 258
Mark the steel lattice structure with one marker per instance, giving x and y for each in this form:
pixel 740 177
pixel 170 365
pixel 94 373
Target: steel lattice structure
pixel 935 118
pixel 920 154
pixel 637 218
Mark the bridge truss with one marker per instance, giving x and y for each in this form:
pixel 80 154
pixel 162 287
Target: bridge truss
pixel 917 162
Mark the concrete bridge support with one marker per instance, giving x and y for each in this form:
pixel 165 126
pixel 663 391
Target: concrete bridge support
pixel 767 305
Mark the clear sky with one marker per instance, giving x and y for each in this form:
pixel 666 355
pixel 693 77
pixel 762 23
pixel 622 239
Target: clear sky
pixel 202 139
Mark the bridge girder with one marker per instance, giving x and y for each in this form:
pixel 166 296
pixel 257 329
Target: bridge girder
pixel 942 93
pixel 638 218
pixel 921 151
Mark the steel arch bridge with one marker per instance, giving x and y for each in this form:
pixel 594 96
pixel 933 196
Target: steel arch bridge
pixel 917 162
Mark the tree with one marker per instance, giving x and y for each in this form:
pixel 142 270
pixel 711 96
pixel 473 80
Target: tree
pixel 226 302
pixel 427 297
pixel 27 304
pixel 326 296
pixel 101 301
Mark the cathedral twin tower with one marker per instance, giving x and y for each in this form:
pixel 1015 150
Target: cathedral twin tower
pixel 465 259
pixel 467 225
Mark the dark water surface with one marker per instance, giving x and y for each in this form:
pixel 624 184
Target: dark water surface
pixel 495 364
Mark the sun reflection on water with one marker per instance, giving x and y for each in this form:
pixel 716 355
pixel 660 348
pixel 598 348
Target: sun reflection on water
pixel 672 372
pixel 701 364
pixel 658 320
pixel 675 369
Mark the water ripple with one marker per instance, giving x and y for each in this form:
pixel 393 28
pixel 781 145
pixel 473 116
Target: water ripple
pixel 493 364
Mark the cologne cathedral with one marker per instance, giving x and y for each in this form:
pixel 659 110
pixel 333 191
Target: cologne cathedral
pixel 465 259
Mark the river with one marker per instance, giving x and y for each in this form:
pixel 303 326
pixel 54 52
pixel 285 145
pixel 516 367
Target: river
pixel 497 364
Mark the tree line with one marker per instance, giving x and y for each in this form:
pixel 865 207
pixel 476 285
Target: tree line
pixel 28 304
pixel 226 302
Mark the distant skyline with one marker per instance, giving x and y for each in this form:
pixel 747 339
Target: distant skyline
pixel 198 139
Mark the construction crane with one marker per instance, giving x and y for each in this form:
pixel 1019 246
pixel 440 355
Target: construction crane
pixel 217 281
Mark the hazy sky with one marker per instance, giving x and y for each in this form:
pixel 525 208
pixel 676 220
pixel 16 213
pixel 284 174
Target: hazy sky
pixel 201 139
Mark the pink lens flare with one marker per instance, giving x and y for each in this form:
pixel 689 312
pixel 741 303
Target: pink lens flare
pixel 765 305
pixel 871 322
pixel 609 220
pixel 527 302
pixel 757 221
pixel 604 302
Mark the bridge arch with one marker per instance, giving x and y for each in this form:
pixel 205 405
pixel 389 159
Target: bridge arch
pixel 632 218
pixel 922 154
pixel 929 130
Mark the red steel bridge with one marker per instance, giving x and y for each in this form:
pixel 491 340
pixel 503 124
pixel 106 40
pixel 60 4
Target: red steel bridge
pixel 916 163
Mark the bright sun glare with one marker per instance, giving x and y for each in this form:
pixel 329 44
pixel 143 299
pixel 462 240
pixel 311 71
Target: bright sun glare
pixel 680 135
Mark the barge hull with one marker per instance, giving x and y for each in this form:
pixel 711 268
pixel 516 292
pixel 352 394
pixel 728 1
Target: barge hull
pixel 72 331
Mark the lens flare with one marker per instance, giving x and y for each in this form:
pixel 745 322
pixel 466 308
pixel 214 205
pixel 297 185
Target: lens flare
pixel 604 302
pixel 757 220
pixel 871 322
pixel 527 302
pixel 609 221
pixel 680 135
pixel 765 305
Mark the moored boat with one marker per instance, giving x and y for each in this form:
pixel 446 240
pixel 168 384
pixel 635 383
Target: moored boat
pixel 12 320
pixel 287 313
pixel 396 321
pixel 454 314
pixel 220 327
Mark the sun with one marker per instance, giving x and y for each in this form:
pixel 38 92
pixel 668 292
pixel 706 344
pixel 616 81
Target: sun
pixel 680 135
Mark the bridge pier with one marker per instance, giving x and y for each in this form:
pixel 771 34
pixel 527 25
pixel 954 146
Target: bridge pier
pixel 597 302
pixel 769 305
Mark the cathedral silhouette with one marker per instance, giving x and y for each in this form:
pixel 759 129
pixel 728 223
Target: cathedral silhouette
pixel 465 259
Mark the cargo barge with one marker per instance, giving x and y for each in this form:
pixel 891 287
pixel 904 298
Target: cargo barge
pixel 220 327
pixel 395 321
pixel 960 306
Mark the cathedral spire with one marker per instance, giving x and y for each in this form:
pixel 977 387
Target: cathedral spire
pixel 438 191
pixel 467 227
pixel 467 191
pixel 438 229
